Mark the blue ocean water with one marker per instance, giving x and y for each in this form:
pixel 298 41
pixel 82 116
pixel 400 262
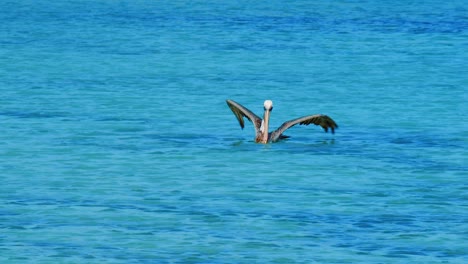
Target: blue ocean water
pixel 117 145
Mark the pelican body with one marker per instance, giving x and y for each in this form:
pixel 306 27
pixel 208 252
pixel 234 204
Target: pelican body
pixel 262 135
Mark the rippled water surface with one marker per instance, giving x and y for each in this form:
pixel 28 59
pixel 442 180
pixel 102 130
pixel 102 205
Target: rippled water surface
pixel 117 146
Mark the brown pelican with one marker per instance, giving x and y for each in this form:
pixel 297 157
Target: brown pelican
pixel 261 125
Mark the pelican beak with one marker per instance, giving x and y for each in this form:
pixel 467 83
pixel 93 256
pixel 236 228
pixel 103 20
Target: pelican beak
pixel 267 113
pixel 266 117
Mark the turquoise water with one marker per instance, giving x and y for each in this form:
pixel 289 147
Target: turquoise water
pixel 117 146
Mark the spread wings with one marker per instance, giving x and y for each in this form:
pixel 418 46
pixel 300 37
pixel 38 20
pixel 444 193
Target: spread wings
pixel 240 112
pixel 320 120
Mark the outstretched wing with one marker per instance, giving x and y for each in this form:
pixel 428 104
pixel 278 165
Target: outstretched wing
pixel 319 120
pixel 240 112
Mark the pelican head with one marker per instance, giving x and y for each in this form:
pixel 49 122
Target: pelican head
pixel 268 104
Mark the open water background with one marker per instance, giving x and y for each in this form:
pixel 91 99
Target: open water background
pixel 116 145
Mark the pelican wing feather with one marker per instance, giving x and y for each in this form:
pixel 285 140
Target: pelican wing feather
pixel 320 120
pixel 240 112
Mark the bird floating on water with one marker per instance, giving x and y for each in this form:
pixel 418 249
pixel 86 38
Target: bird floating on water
pixel 261 125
